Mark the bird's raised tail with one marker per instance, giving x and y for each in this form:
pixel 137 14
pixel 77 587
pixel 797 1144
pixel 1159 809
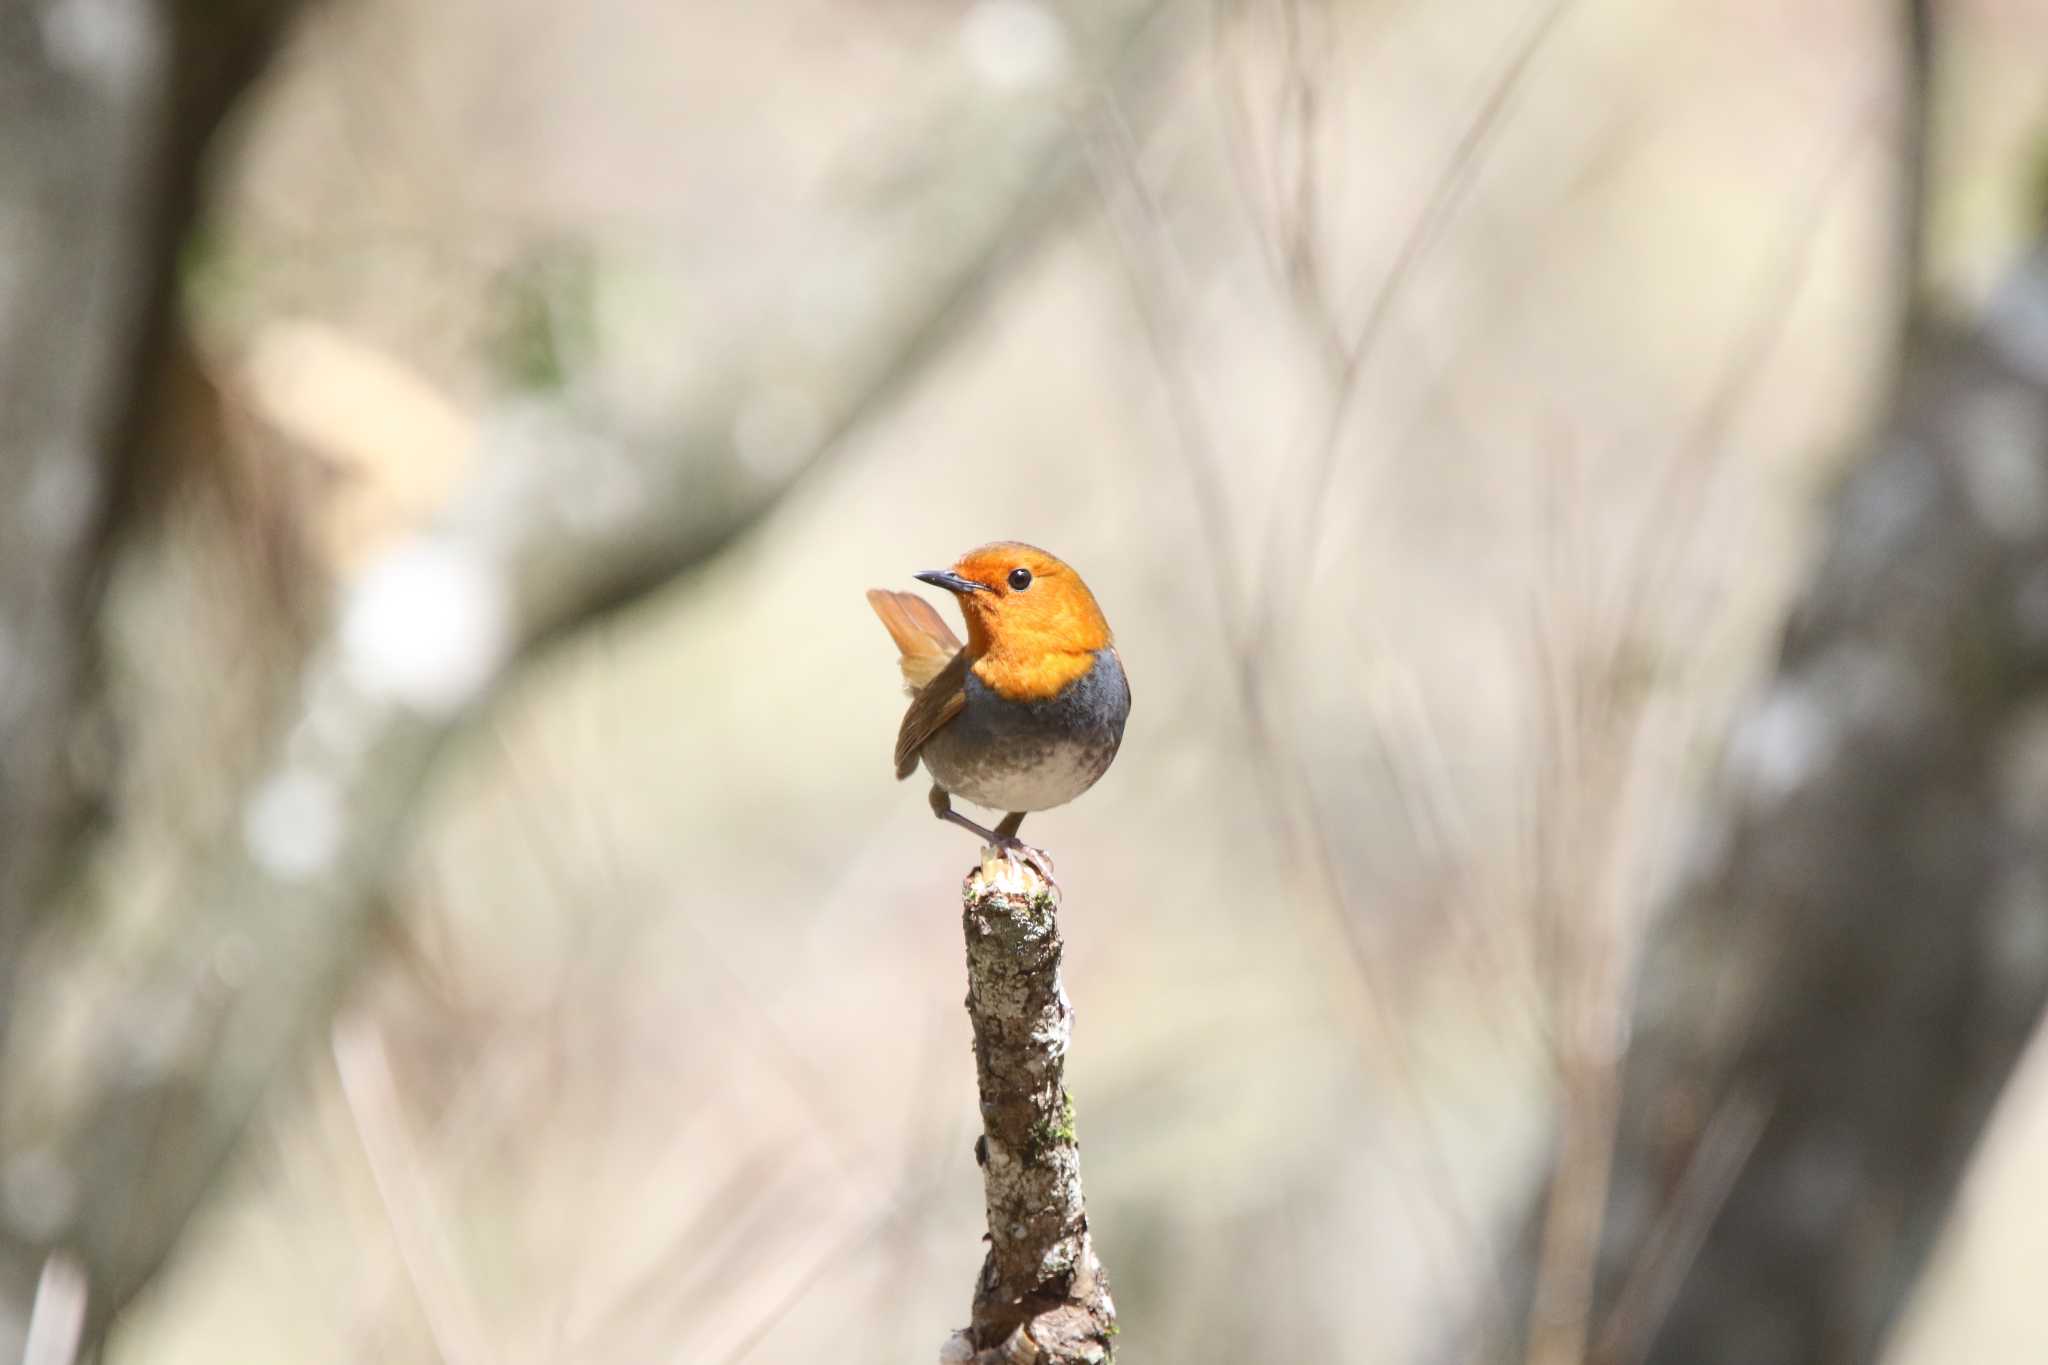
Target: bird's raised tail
pixel 923 639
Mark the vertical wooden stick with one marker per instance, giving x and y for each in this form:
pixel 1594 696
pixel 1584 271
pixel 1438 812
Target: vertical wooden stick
pixel 1042 1296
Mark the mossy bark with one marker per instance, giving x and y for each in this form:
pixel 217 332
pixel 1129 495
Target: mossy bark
pixel 1042 1295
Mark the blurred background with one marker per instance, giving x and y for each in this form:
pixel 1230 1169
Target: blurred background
pixel 1445 403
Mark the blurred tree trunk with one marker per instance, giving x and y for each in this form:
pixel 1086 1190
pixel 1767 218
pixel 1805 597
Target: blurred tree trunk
pixel 1830 1006
pixel 106 110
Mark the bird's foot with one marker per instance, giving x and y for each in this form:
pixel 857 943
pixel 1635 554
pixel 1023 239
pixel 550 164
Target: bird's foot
pixel 1019 854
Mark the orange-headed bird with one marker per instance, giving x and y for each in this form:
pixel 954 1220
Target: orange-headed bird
pixel 1025 716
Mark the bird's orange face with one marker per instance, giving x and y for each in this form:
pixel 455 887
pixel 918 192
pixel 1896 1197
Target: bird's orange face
pixel 1032 625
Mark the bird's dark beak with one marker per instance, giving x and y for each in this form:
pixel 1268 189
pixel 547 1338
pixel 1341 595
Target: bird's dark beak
pixel 951 582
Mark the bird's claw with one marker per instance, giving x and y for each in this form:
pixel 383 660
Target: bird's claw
pixel 1015 851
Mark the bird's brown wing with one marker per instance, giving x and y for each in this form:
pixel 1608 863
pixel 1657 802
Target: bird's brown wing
pixel 923 639
pixel 936 703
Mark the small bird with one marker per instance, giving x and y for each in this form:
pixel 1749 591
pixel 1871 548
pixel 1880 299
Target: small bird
pixel 1029 712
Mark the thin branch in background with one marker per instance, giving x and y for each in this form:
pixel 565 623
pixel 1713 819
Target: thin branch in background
pixel 1294 533
pixel 1590 987
pixel 1250 628
pixel 834 1257
pixel 1724 1148
pixel 1404 730
pixel 1285 204
pixel 681 1283
pixel 56 1319
pixel 1590 716
pixel 1307 274
pixel 1285 785
pixel 1247 165
pixel 1143 239
pixel 934 1110
pixel 1916 43
pixel 1435 408
pixel 1255 634
pixel 1592 720
pixel 1251 623
pixel 1560 1308
pixel 861 1234
pixel 898 1217
pixel 1670 526
pixel 453 1316
pixel 1587 753
pixel 503 1080
pixel 1832 959
pixel 1471 1261
pixel 771 1042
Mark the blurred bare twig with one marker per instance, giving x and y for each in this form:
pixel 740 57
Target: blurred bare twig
pixel 1598 700
pixel 1686 477
pixel 452 1314
pixel 1913 118
pixel 1295 529
pixel 1254 601
pixel 1725 1145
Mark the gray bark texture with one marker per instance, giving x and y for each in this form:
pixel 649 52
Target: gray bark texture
pixel 106 110
pixel 1042 1295
pixel 1831 1004
pixel 107 107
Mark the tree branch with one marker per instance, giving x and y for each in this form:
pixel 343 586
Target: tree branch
pixel 1042 1296
pixel 1915 123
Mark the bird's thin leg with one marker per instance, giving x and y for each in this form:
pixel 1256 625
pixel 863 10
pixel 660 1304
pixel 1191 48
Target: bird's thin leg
pixel 1003 837
pixel 942 806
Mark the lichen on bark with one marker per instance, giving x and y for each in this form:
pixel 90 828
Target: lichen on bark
pixel 1042 1295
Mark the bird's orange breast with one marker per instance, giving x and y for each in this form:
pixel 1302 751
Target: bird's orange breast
pixel 1032 676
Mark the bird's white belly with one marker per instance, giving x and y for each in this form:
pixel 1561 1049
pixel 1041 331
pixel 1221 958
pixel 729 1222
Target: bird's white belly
pixel 1055 775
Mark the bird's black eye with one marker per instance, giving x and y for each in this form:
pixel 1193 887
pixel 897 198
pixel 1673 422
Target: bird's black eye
pixel 1020 579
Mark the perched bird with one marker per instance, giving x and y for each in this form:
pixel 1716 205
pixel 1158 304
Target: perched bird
pixel 1029 712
